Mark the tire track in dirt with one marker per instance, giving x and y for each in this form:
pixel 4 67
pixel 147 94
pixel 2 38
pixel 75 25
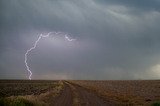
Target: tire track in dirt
pixel 87 98
pixel 65 98
pixel 75 95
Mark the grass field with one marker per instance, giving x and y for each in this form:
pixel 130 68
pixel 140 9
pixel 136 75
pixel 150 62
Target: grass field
pixel 79 93
pixel 25 92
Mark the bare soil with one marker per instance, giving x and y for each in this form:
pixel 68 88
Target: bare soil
pixel 85 93
pixel 125 92
pixel 89 98
pixel 65 98
pixel 85 97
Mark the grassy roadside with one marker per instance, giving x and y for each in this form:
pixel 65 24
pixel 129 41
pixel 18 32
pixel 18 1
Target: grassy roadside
pixel 43 99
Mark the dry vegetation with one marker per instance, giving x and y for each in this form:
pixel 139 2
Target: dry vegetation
pixel 25 87
pixel 32 93
pixel 137 92
pixel 44 93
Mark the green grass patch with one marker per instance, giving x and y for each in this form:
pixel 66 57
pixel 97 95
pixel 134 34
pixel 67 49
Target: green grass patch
pixel 15 102
pixel 156 104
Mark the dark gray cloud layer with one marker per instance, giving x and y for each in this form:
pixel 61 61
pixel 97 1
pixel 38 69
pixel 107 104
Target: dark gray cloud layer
pixel 116 39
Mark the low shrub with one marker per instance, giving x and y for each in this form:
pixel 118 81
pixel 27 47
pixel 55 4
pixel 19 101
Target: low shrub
pixel 156 104
pixel 15 102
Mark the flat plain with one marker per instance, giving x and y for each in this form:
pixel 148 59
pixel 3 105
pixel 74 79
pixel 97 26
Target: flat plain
pixel 79 92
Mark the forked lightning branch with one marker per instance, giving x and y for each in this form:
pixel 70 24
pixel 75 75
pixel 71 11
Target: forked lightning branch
pixel 36 43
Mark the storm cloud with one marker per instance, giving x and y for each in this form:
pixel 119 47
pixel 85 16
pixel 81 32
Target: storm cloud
pixel 115 39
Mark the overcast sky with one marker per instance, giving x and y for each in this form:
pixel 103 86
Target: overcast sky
pixel 115 39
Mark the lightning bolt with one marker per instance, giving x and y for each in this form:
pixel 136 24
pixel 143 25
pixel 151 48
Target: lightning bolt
pixel 35 45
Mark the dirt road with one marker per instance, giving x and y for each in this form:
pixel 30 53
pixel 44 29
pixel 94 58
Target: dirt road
pixel 65 98
pixel 75 95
